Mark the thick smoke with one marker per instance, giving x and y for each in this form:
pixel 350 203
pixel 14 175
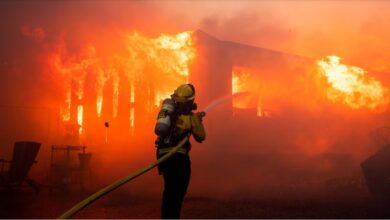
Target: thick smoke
pixel 353 30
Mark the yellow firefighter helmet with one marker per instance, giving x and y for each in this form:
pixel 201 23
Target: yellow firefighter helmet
pixel 184 93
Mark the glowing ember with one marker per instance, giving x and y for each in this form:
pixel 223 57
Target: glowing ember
pixel 348 84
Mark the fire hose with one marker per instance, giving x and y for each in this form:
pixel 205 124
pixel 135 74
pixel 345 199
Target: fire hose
pixel 78 207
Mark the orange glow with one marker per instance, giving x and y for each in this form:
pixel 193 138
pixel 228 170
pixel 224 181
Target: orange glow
pixel 132 102
pixel 132 118
pixel 101 78
pixel 167 56
pixel 350 85
pixel 80 110
pixel 65 110
pixel 71 69
pixel 132 92
pixel 243 80
pixel 236 86
pixel 160 96
pixel 153 66
pixel 260 111
pixel 115 93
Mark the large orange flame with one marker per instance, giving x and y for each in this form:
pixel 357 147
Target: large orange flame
pixel 72 69
pixel 350 85
pixel 153 66
pixel 168 56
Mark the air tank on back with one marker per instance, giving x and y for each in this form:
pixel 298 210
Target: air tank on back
pixel 163 123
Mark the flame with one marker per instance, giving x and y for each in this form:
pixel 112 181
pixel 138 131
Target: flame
pixel 72 69
pixel 101 78
pixel 153 66
pixel 259 109
pixel 177 52
pixel 132 103
pixel 132 112
pixel 350 85
pixel 80 109
pixel 236 85
pixel 165 57
pixel 65 111
pixel 132 92
pixel 160 96
pixel 115 93
pixel 57 66
pixel 243 81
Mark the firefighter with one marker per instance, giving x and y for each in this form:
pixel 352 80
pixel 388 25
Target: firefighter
pixel 176 171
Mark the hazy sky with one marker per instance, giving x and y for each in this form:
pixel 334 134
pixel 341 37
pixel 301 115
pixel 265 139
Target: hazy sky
pixel 352 29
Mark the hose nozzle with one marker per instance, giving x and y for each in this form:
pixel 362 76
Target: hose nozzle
pixel 201 115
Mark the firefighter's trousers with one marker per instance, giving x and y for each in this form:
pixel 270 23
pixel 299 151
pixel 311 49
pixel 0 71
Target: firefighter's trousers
pixel 176 172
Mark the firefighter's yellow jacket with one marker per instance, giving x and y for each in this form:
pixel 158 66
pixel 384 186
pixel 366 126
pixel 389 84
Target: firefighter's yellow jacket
pixel 186 124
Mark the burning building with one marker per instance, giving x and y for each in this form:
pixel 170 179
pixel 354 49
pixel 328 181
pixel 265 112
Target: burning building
pixel 286 114
pixel 124 83
pixel 107 95
pixel 129 87
pixel 126 88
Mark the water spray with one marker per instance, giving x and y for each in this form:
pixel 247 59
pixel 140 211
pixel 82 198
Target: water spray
pixel 224 100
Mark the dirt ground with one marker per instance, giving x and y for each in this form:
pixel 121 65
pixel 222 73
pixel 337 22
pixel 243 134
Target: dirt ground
pixel 120 204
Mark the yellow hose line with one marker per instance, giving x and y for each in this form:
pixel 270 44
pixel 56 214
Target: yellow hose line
pixel 75 209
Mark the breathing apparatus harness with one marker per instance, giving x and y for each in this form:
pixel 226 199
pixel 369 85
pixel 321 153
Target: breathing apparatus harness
pixel 166 129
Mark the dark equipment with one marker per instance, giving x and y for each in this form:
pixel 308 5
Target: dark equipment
pixel 376 170
pixel 69 165
pixel 23 158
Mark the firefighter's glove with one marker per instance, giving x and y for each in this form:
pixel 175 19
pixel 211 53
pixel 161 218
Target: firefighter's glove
pixel 201 115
